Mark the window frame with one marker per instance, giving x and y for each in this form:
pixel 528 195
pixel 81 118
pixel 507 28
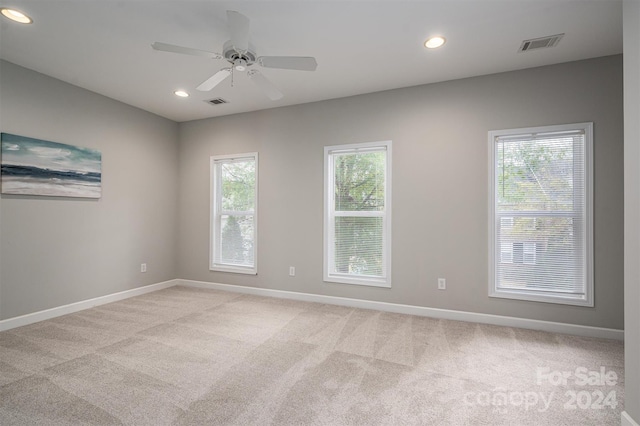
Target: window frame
pixel 329 216
pixel 587 299
pixel 215 232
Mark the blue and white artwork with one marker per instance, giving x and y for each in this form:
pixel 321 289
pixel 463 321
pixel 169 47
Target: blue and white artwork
pixel 36 167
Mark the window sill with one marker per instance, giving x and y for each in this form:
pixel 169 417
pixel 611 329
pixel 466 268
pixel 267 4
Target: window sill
pixel 233 269
pixel 371 282
pixel 545 298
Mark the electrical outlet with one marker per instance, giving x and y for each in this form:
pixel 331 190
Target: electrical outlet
pixel 442 284
pixel 143 267
pixel 292 271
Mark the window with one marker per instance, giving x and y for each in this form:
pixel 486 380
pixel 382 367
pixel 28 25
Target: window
pixel 529 253
pixel 506 222
pixel 541 226
pixel 518 252
pixel 506 253
pixel 357 217
pixel 234 217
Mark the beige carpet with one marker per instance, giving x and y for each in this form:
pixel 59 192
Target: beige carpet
pixel 185 356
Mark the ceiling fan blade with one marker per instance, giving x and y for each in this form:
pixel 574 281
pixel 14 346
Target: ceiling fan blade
pixel 239 29
pixel 164 47
pixel 302 63
pixel 214 80
pixel 267 87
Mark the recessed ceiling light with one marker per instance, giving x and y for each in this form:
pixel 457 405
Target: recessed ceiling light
pixel 181 93
pixel 16 15
pixel 434 42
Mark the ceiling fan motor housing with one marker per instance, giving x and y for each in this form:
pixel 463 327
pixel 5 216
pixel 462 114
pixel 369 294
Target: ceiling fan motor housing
pixel 232 55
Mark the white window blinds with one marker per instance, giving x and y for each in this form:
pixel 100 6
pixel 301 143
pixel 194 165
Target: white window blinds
pixel 541 226
pixel 234 213
pixel 357 219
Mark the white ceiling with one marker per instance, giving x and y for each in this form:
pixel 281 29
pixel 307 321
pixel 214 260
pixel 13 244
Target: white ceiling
pixel 361 46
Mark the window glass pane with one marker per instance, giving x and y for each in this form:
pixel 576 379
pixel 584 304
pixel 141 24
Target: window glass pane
pixel 359 181
pixel 506 222
pixel 529 253
pixel 238 185
pixel 358 245
pixel 552 249
pixel 536 174
pixel 236 240
pixel 506 253
pixel 518 252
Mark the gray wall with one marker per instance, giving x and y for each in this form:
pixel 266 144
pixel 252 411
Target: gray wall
pixel 58 251
pixel 632 206
pixel 440 185
pixel 55 251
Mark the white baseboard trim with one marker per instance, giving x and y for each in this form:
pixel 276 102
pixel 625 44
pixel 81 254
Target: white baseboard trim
pixel 14 322
pixel 627 420
pixel 554 327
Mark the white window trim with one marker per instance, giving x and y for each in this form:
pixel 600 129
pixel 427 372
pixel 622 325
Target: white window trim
pixel 539 296
pixel 329 223
pixel 213 206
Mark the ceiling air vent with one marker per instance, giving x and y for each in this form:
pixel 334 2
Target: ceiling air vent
pixel 540 43
pixel 217 101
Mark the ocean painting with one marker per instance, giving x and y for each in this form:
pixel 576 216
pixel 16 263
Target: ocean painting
pixel 37 167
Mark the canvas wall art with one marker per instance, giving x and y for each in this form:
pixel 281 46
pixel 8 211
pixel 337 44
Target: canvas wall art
pixel 37 167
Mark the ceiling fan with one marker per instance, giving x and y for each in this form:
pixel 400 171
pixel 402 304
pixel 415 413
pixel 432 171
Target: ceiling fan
pixel 241 54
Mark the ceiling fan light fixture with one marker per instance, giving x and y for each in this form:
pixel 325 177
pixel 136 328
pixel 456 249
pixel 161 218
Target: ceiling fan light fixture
pixel 181 93
pixel 240 64
pixel 16 15
pixel 434 42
